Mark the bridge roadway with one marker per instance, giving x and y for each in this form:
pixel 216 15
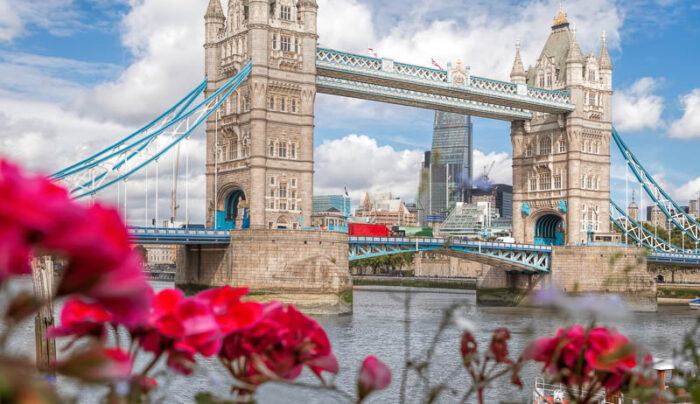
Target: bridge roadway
pixel 525 257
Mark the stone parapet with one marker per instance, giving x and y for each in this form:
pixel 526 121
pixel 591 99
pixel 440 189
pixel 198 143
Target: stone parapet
pixel 306 268
pixel 576 269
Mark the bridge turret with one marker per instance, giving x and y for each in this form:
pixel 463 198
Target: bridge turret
pixel 214 21
pixel 604 62
pixel 574 62
pixel 517 74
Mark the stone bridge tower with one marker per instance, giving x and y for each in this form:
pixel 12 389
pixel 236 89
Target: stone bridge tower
pixel 561 163
pixel 259 168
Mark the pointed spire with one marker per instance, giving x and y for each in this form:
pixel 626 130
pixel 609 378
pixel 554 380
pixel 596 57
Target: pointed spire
pixel 214 9
pixel 517 75
pixel 575 55
pixel 604 57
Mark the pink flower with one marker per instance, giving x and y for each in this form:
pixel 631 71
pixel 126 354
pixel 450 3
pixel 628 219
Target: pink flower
pixel 374 376
pixel 81 319
pixel 15 252
pixel 98 365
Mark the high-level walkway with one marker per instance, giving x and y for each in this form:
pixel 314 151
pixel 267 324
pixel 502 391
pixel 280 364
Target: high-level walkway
pixel 357 76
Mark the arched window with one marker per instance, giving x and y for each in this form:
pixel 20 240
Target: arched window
pixel 282 150
pixel 590 182
pixel 272 103
pixel 233 148
pixel 545 145
pixel 549 79
pixel 545 181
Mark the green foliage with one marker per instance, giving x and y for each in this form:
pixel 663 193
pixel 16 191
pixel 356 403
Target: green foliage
pixel 393 261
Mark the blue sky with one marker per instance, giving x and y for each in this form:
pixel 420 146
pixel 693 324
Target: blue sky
pixel 78 74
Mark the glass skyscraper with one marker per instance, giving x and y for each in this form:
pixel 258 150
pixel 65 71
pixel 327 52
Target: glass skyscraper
pixel 447 169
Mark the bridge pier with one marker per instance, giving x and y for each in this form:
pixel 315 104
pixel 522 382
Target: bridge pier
pixel 306 268
pixel 575 270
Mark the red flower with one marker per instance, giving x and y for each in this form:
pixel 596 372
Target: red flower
pixel 609 351
pixel 102 264
pixel 81 319
pixel 15 252
pixel 231 314
pixel 282 342
pixel 374 376
pixel 498 349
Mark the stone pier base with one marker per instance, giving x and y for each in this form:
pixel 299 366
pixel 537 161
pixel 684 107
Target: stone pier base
pixel 578 270
pixel 306 268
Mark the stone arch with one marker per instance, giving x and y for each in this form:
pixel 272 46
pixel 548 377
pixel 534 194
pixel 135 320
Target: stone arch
pixel 549 229
pixel 284 222
pixel 232 207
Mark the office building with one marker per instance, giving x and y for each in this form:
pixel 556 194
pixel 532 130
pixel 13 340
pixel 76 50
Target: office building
pixel 340 202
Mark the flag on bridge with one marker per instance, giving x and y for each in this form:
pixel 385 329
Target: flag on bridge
pixel 372 52
pixel 435 63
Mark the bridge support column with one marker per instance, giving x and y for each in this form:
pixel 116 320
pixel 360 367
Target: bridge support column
pixel 576 270
pixel 306 268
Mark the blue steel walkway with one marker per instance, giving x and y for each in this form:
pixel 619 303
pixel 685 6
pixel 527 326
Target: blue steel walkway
pixel 525 257
pixel 158 235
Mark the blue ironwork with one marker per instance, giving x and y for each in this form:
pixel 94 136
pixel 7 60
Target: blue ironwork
pixel 231 210
pixel 674 259
pixel 156 235
pixel 526 209
pixel 663 201
pixel 524 257
pixel 123 153
pixel 638 233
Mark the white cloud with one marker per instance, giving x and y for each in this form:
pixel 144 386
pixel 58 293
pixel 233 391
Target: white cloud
pixel 481 35
pixel 689 190
pixel 58 17
pixel 167 43
pixel 364 166
pixel 688 127
pixel 502 171
pixel 637 107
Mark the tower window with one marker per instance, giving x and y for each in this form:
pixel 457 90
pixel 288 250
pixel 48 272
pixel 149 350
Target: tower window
pixel 294 183
pixel 293 155
pixel 541 80
pixel 286 13
pixel 545 145
pixel 282 150
pixel 296 45
pixel 274 41
pixel 272 154
pixel 549 79
pixel 272 103
pixel 272 180
pixel 283 106
pixel 545 181
pixel 283 190
pixel 293 105
pixel 533 184
pixel 528 150
pixel 557 182
pixel 286 43
pixel 591 75
pixel 562 147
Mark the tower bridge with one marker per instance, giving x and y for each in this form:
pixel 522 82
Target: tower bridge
pixel 263 71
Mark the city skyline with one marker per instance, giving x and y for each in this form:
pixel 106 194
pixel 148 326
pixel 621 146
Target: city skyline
pixel 63 102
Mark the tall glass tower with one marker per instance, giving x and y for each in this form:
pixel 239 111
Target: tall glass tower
pixel 448 165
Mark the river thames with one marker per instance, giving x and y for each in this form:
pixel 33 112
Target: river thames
pixel 377 327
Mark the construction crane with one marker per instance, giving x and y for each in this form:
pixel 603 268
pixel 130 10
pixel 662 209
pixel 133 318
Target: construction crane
pixel 487 171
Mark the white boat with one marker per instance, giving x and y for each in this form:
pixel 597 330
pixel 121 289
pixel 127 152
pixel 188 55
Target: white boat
pixel 695 304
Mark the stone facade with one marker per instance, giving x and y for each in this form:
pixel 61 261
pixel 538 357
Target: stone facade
pixel 576 269
pixel 260 142
pixel 429 263
pixel 561 163
pixel 306 268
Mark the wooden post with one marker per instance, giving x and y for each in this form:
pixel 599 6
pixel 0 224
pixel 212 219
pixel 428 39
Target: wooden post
pixel 42 276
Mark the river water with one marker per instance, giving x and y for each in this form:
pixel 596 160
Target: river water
pixel 377 327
